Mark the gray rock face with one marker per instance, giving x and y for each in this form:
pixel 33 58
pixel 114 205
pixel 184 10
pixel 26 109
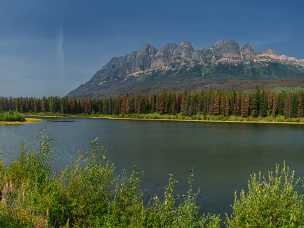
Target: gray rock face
pixel 247 52
pixel 165 55
pixel 204 56
pixel 178 59
pixel 269 51
pixel 141 59
pixel 184 50
pixel 227 48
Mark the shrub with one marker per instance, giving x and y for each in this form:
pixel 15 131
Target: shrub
pixel 11 116
pixel 271 201
pixel 87 194
pixel 184 213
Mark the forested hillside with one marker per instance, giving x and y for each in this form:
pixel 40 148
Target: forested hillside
pixel 212 102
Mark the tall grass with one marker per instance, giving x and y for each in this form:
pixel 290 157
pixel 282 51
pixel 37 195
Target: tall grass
pixel 12 116
pixel 89 194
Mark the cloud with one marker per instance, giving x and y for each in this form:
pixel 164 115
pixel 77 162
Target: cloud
pixel 60 52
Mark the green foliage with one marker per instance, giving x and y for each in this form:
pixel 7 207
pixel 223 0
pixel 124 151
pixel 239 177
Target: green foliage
pixel 87 194
pixel 271 201
pixel 11 116
pixel 254 103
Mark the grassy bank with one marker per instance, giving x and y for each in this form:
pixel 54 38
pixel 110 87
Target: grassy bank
pixel 26 121
pixel 89 194
pixel 205 118
pixel 14 118
pixel 179 117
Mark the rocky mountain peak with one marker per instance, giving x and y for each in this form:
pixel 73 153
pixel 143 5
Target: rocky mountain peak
pixel 184 50
pixel 186 45
pixel 148 49
pixel 247 51
pixel 165 55
pixel 226 48
pixel 225 59
pixel 269 51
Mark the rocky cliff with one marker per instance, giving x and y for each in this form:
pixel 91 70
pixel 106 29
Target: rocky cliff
pixel 180 66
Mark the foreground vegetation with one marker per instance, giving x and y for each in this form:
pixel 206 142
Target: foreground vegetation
pixel 11 116
pixel 89 194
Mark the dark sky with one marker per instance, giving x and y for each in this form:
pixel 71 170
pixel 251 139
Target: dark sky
pixel 48 47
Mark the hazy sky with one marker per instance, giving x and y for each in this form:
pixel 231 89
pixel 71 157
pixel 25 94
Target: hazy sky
pixel 48 47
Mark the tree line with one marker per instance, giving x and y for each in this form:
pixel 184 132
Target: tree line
pixel 258 102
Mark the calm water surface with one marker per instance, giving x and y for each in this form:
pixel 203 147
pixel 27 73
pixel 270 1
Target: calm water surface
pixel 221 155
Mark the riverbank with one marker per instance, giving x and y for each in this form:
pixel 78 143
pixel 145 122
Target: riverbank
pixel 26 121
pixel 177 118
pixel 206 119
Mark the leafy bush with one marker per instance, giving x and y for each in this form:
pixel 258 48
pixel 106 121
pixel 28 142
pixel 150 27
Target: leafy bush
pixel 271 201
pixel 87 194
pixel 11 116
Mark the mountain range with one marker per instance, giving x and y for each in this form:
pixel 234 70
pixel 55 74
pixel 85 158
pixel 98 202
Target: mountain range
pixel 226 64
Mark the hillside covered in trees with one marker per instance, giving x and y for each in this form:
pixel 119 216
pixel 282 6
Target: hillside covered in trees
pixel 289 104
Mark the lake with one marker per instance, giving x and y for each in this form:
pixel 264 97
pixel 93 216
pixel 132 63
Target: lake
pixel 222 156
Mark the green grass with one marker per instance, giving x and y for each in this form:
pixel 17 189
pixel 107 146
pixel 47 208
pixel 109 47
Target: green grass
pixel 177 117
pixel 12 117
pixel 201 117
pixel 88 193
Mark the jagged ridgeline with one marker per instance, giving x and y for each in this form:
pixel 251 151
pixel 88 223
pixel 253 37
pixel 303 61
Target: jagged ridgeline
pixel 225 65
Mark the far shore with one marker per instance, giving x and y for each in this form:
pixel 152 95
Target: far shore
pixel 174 118
pixel 28 120
pixel 203 121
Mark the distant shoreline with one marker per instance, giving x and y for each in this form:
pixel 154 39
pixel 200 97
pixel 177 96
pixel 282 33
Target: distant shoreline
pixel 175 118
pixel 28 120
pixel 202 121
